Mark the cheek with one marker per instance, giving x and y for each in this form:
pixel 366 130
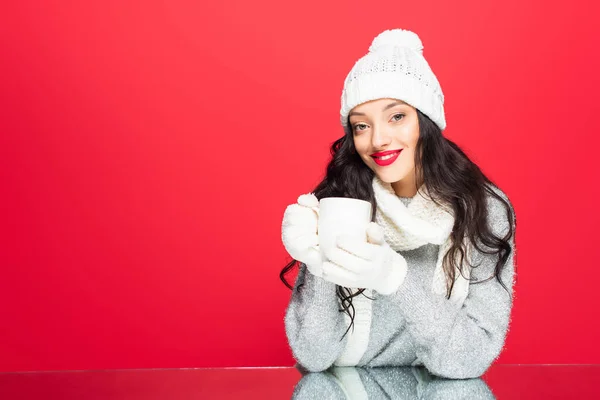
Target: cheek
pixel 414 140
pixel 362 150
pixel 359 146
pixel 409 157
pixel 414 134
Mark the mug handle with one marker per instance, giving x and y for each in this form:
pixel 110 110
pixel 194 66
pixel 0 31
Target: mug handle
pixel 316 210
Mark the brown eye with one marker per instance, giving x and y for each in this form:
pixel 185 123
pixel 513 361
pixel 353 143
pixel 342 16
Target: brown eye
pixel 398 115
pixel 356 127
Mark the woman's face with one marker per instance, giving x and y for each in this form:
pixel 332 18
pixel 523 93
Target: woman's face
pixel 386 125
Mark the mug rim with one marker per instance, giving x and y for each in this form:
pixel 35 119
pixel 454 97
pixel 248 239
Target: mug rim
pixel 343 198
pixel 365 203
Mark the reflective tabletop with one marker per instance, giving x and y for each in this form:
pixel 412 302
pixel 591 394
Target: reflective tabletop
pixel 499 382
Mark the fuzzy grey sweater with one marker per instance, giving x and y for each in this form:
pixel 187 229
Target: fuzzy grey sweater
pixel 412 326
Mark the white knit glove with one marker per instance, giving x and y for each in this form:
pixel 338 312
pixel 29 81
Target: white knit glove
pixel 299 233
pixel 373 264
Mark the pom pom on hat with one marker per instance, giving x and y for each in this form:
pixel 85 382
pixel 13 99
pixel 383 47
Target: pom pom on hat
pixel 385 72
pixel 397 38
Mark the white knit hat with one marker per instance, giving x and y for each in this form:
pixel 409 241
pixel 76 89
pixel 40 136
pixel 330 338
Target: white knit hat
pixel 394 68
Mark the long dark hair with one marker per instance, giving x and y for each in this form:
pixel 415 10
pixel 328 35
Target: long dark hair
pixel 450 177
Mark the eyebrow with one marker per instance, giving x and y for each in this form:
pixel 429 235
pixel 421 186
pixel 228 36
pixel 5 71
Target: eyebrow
pixel 393 104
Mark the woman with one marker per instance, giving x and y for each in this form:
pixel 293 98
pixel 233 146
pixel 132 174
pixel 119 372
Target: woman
pixel 433 283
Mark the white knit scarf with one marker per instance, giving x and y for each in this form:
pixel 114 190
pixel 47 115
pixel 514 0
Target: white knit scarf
pixel 415 225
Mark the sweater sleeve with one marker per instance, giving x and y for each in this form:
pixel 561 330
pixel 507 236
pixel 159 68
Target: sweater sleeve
pixel 313 323
pixel 463 341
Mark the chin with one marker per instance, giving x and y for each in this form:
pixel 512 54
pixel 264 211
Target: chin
pixel 390 177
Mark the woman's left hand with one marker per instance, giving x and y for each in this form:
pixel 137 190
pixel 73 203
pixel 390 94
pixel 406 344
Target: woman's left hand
pixel 373 264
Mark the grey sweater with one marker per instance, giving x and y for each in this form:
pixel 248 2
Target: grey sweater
pixel 412 326
pixel 387 383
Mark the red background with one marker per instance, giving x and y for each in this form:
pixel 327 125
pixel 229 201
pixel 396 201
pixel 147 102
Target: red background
pixel 148 150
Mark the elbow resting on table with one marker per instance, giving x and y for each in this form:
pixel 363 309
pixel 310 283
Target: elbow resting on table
pixel 464 366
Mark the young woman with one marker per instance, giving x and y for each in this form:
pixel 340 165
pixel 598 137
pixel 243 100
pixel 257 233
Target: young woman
pixel 432 285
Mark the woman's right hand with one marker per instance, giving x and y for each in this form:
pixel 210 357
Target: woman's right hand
pixel 299 232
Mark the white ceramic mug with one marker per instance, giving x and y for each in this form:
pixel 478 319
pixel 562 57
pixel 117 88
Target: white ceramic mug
pixel 341 215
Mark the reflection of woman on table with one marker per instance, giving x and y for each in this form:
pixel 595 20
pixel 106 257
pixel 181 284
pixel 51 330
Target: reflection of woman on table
pixel 432 283
pixel 387 383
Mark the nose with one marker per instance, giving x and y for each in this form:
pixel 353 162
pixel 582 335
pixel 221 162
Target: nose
pixel 381 137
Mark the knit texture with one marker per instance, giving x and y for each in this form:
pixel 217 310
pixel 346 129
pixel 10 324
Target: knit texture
pixel 411 224
pixel 407 227
pixel 414 325
pixel 394 68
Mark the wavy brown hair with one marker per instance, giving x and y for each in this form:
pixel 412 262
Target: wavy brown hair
pixel 450 177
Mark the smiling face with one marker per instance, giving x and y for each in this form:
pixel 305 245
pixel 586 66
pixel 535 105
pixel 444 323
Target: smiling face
pixel 380 129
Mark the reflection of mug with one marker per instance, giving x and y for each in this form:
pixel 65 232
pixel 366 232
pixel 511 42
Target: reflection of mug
pixel 341 215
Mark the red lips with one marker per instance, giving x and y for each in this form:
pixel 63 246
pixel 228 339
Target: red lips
pixel 385 153
pixel 382 163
